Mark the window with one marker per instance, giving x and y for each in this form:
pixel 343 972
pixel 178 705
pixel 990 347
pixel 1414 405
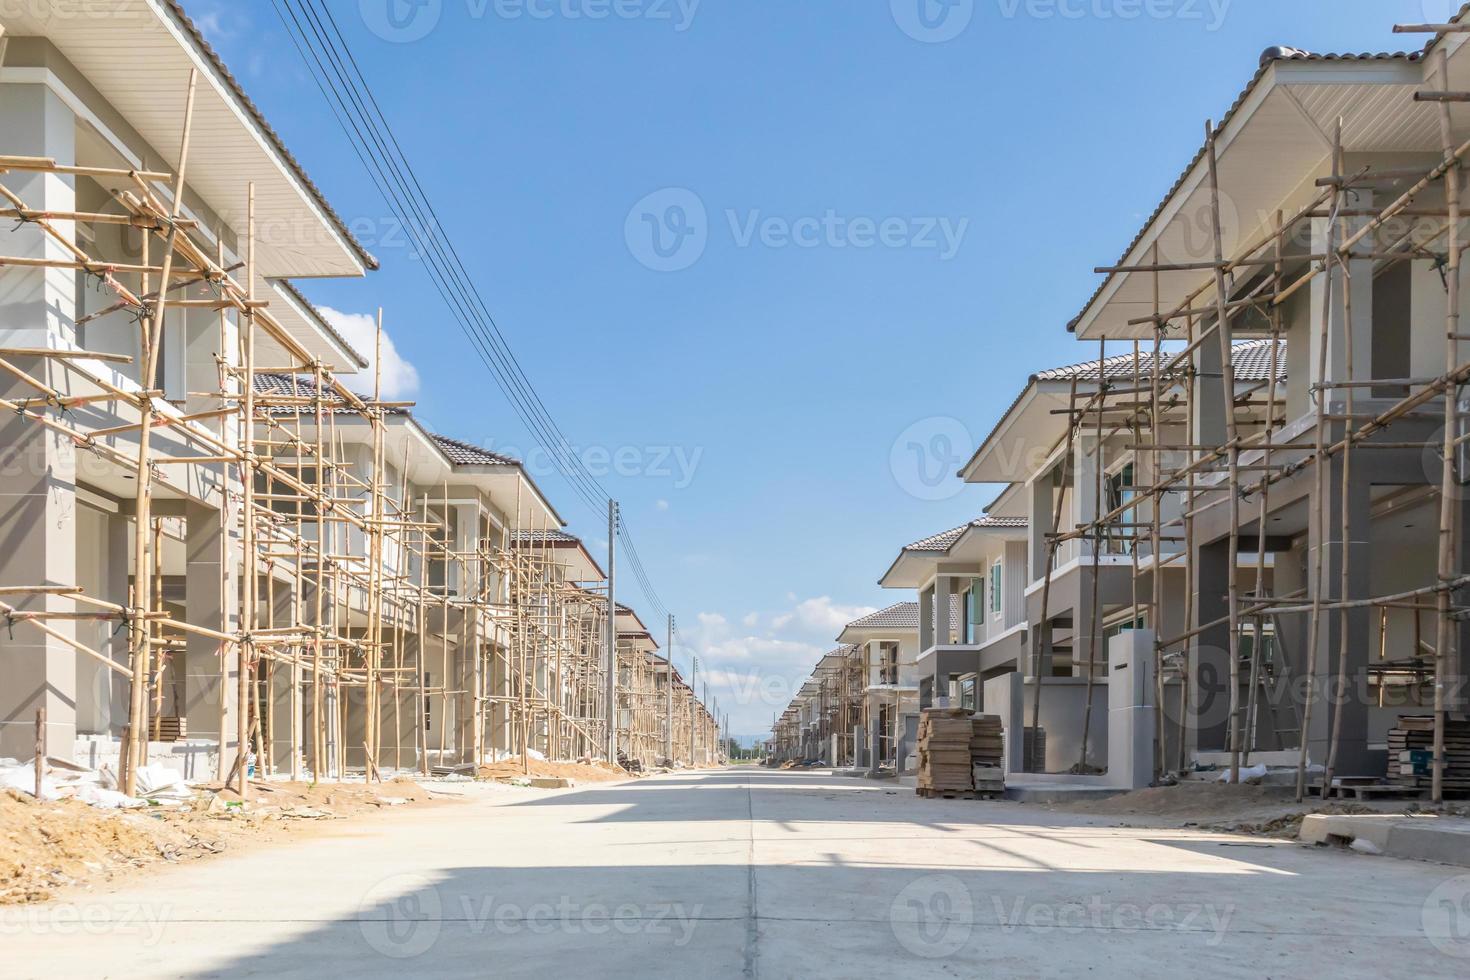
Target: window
pixel 974 610
pixel 888 663
pixel 967 694
pixel 1120 492
pixel 995 588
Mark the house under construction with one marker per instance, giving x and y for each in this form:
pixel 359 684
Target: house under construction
pixel 224 549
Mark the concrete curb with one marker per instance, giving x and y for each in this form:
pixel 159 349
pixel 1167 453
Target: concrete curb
pixel 1443 840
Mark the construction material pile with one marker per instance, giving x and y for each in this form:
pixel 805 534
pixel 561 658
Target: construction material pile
pixel 959 754
pixel 1411 753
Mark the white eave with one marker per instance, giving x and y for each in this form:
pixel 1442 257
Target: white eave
pixel 1276 143
pixel 138 53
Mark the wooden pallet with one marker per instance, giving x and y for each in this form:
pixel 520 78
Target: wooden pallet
pixel 1378 791
pixel 960 794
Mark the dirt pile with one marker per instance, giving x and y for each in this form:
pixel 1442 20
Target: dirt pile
pixel 595 772
pixel 49 847
pixel 1269 811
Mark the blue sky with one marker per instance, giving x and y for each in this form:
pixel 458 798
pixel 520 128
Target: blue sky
pixel 869 233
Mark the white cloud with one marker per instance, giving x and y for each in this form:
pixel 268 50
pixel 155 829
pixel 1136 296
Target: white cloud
pixel 822 615
pixel 219 22
pixel 400 378
pixel 755 668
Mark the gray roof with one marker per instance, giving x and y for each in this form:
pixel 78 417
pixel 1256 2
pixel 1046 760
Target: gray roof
pixel 552 536
pixel 902 615
pixel 268 383
pixel 945 540
pixel 1252 360
pixel 465 454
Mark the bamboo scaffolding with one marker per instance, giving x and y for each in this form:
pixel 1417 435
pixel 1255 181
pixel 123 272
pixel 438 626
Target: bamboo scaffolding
pixel 310 520
pixel 1149 406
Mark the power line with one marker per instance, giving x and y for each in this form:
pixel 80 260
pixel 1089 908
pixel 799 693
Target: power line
pixel 328 60
pixel 334 69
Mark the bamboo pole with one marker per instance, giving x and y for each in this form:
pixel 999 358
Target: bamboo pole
pixel 1449 497
pixel 1345 526
pixel 141 638
pixel 1318 516
pixel 1095 633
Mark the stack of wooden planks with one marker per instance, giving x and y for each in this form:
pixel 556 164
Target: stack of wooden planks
pixel 959 754
pixel 1411 753
pixel 987 737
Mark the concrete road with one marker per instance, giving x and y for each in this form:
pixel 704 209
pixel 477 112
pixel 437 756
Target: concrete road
pixel 762 874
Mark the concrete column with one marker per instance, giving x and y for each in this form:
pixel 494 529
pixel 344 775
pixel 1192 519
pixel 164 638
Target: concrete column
pixel 1040 517
pixel 1209 674
pixel 1005 697
pixel 38 527
pixel 38 306
pixel 1211 408
pixel 943 586
pixel 1457 665
pixel 1326 534
pixel 466 524
pixel 1086 460
pixel 1131 709
pixel 926 616
pixel 212 599
pixel 1362 286
pixel 37 468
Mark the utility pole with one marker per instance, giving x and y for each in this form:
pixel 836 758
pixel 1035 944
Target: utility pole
pixel 693 701
pixel 669 697
pixel 612 633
